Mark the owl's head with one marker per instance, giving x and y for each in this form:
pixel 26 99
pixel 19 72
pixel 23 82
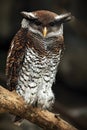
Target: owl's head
pixel 45 23
pixel 45 30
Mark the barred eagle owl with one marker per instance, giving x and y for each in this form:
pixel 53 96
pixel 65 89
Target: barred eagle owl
pixel 34 56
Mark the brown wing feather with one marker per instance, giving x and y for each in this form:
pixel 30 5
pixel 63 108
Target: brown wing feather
pixel 15 58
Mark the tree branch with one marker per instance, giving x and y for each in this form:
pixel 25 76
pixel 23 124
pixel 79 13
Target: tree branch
pixel 14 104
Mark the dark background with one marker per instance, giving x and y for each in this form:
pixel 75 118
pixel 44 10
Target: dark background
pixel 71 82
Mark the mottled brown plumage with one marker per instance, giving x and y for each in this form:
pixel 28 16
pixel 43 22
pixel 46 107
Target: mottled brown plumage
pixel 34 56
pixel 14 61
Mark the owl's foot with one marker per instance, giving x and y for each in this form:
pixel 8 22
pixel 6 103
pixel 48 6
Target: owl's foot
pixel 29 96
pixel 31 100
pixel 57 116
pixel 45 100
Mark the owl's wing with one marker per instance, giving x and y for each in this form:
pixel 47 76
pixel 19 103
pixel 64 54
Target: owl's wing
pixel 15 58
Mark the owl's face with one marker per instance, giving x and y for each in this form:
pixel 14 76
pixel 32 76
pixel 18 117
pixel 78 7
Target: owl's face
pixel 45 26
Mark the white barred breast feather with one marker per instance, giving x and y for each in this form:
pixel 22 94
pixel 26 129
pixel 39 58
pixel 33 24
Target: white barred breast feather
pixel 36 78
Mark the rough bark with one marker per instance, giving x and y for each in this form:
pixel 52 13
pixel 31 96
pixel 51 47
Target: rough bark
pixel 14 104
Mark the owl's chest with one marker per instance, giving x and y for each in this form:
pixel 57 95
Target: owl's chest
pixel 38 71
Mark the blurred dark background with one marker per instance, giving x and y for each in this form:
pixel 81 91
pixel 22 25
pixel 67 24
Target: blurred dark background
pixel 71 82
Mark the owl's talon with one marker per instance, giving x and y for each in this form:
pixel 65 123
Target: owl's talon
pixel 57 116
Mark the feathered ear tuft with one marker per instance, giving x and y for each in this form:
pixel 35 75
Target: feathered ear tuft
pixel 64 17
pixel 28 15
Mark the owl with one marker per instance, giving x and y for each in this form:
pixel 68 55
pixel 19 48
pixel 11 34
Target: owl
pixel 34 56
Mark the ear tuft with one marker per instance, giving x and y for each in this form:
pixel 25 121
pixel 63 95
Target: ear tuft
pixel 64 17
pixel 28 15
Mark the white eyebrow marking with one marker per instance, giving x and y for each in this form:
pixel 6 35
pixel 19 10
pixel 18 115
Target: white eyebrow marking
pixel 66 15
pixel 59 16
pixel 29 14
pixel 32 15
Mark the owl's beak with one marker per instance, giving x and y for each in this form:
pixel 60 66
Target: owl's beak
pixel 45 31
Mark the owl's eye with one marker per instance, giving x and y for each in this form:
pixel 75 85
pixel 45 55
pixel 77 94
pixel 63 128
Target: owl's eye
pixel 35 21
pixel 38 23
pixel 52 24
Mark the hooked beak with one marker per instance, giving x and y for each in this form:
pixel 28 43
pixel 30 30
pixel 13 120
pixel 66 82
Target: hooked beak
pixel 45 31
